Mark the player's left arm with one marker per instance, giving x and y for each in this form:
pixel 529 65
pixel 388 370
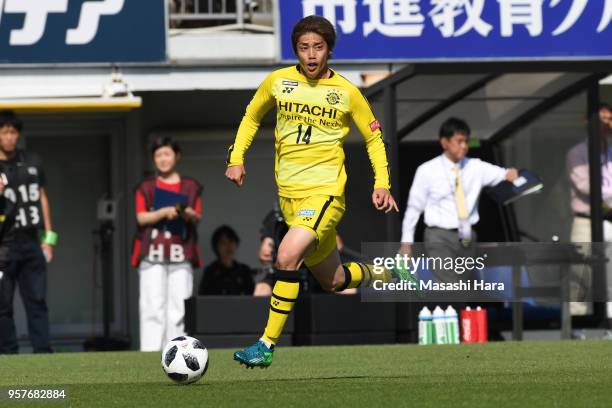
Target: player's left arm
pixel 372 135
pixel 46 210
pixel 49 237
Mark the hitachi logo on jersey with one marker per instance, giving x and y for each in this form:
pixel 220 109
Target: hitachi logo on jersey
pixel 290 83
pixel 315 110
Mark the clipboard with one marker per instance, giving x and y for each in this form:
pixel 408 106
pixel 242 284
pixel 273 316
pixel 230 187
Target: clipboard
pixel 164 198
pixel 508 192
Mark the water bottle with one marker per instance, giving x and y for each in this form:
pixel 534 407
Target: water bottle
pixel 481 325
pixel 439 323
pixel 452 325
pixel 468 326
pixel 425 327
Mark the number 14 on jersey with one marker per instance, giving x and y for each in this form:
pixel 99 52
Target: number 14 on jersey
pixel 305 137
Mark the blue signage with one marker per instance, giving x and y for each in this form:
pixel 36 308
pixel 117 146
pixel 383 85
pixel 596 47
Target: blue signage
pixel 412 30
pixel 82 31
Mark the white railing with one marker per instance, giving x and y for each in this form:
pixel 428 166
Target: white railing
pixel 221 14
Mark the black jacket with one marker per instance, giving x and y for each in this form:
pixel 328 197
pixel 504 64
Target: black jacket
pixel 218 280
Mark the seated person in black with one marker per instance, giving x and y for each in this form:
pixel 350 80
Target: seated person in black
pixel 226 276
pixel 273 230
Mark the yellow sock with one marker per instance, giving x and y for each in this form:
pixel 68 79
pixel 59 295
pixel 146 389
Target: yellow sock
pixel 362 275
pixel 283 299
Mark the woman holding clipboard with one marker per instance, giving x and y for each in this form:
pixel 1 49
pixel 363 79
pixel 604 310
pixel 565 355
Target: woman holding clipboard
pixel 165 251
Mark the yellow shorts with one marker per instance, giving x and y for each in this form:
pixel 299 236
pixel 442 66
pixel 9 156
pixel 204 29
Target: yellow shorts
pixel 318 215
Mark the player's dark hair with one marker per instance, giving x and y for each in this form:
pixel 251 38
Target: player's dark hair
pixel 314 24
pixel 165 141
pixel 605 105
pixel 223 231
pixel 10 118
pixel 452 126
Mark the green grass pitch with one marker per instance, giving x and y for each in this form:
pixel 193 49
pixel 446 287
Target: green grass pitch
pixel 512 374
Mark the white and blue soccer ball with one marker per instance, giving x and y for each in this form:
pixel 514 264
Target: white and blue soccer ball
pixel 185 359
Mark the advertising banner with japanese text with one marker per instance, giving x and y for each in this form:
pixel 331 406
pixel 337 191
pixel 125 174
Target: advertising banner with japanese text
pixel 428 30
pixel 82 31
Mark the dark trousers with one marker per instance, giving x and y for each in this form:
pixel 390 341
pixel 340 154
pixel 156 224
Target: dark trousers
pixel 27 268
pixel 442 243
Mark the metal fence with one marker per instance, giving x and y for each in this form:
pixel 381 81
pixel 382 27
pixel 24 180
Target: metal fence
pixel 221 13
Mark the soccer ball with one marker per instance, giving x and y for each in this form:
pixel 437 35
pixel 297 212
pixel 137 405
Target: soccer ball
pixel 185 359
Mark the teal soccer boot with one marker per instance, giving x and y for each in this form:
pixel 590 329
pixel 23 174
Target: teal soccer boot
pixel 257 355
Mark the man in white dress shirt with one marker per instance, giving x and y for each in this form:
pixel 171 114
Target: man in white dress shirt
pixel 447 189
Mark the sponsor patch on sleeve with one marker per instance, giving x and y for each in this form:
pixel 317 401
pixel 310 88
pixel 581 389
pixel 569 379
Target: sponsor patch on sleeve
pixel 374 126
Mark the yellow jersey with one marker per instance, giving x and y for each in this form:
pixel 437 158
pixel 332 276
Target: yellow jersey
pixel 312 121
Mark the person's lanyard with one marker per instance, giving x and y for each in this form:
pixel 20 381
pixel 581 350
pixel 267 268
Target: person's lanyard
pixel 452 184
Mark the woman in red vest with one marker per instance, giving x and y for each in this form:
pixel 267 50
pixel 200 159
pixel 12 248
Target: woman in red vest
pixel 168 209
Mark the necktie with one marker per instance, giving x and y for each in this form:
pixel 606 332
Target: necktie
pixel 462 211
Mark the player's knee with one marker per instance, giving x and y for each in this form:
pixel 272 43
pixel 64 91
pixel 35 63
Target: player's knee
pixel 288 260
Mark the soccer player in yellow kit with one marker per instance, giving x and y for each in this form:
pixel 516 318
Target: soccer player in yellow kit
pixel 314 107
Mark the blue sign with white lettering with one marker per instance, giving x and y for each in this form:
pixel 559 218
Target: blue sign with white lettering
pixel 409 30
pixel 82 31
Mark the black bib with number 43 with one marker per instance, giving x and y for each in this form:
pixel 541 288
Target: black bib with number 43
pixel 25 178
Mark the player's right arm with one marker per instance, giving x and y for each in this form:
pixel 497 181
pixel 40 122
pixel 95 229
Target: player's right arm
pixel 262 102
